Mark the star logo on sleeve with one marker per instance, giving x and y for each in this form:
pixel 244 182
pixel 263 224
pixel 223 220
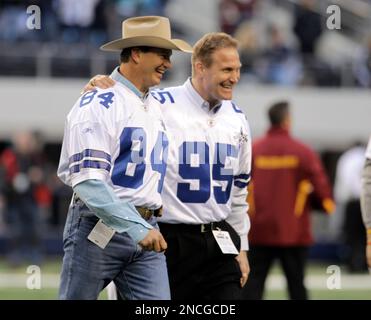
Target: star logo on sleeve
pixel 241 137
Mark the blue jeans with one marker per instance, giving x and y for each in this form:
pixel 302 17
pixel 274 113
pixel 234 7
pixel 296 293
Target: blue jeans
pixel 87 269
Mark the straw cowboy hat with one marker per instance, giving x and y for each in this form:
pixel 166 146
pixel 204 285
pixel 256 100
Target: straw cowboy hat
pixel 151 31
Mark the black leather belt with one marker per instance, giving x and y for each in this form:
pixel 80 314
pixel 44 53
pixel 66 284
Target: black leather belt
pixel 193 228
pixel 148 213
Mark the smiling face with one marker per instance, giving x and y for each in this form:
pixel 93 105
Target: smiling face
pixel 153 64
pixel 218 80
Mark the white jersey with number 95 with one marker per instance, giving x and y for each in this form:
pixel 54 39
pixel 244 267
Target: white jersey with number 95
pixel 209 160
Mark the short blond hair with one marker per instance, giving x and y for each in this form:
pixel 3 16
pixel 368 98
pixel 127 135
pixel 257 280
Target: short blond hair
pixel 208 44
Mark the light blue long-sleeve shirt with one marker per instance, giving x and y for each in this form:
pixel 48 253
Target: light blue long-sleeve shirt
pixel 119 215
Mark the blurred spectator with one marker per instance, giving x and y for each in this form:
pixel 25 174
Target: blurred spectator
pixel 362 66
pixel 280 65
pixel 234 12
pixel 151 7
pixel 285 172
pixel 25 194
pixel 129 8
pixel 308 27
pixel 13 19
pixel 123 9
pixel 126 8
pixel 347 195
pixel 99 26
pixel 76 17
pixel 62 195
pixel 2 201
pixel 248 47
pixel 49 22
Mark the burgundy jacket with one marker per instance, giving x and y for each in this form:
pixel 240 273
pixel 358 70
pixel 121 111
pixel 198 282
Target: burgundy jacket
pixel 285 172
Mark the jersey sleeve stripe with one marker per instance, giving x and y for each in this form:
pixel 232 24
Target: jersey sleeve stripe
pixel 93 164
pixel 242 177
pixel 240 184
pixel 90 153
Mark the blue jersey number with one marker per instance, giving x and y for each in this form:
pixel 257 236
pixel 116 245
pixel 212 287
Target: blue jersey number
pixel 129 167
pixel 132 153
pixel 161 96
pixel 159 157
pixel 194 164
pixel 105 98
pixel 221 173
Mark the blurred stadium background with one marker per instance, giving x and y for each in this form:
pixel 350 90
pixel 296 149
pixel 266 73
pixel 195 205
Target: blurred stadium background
pixel 287 53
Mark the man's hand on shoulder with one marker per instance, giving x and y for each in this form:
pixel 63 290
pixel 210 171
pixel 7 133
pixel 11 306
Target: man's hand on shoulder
pixel 100 81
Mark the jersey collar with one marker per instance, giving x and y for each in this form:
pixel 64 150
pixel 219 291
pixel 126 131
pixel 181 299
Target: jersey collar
pixel 117 76
pixel 198 99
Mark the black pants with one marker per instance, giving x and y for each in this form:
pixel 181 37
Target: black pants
pixel 355 237
pixel 292 260
pixel 197 267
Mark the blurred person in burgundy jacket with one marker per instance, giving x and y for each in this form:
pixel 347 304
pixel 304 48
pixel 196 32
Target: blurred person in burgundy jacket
pixel 22 172
pixel 286 174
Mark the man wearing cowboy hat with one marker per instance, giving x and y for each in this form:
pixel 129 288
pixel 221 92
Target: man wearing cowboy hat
pixel 114 157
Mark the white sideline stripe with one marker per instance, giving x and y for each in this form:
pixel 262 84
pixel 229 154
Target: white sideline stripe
pixel 12 280
pixel 319 282
pixel 274 282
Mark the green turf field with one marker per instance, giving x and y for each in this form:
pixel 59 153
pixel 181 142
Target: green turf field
pixel 13 283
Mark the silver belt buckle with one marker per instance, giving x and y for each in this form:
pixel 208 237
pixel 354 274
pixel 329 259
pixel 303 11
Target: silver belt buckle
pixel 145 212
pixel 148 213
